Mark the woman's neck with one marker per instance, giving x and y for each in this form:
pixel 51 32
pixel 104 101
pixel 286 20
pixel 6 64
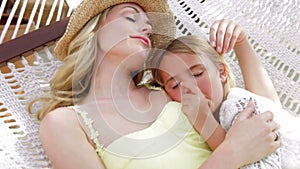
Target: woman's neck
pixel 111 81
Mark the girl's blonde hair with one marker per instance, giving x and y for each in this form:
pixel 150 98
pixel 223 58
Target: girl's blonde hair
pixel 72 80
pixel 192 45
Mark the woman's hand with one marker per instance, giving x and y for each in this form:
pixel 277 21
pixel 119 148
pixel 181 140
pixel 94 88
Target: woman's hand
pixel 247 141
pixel 254 138
pixel 225 34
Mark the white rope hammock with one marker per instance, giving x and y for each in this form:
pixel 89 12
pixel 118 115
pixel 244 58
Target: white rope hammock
pixel 273 27
pixel 37 13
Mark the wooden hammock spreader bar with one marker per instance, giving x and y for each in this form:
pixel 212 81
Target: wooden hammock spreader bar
pixel 32 40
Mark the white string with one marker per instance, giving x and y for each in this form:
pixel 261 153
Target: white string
pixel 3 4
pixel 60 10
pixel 51 12
pixel 33 12
pixel 11 15
pixel 20 17
pixel 41 11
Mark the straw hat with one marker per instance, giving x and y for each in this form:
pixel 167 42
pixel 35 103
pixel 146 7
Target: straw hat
pixel 163 21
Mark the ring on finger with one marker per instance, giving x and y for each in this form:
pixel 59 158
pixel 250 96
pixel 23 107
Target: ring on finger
pixel 277 135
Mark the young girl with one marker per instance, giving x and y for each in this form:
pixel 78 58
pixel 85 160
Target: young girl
pixel 191 71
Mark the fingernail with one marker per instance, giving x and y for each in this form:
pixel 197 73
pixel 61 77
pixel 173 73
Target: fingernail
pixel 213 44
pixel 251 104
pixel 219 49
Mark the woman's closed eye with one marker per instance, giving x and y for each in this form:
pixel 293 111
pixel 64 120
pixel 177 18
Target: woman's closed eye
pixel 130 19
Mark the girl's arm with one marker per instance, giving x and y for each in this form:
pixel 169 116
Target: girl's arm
pixel 255 75
pixel 225 35
pixel 195 107
pixel 65 142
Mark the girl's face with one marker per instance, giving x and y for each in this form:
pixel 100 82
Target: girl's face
pixel 125 32
pixel 190 68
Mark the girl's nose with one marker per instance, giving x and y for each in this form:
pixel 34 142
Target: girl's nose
pixel 187 87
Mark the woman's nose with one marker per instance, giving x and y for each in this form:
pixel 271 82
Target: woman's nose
pixel 146 29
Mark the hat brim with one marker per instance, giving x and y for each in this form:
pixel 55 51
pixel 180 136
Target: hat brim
pixel 161 17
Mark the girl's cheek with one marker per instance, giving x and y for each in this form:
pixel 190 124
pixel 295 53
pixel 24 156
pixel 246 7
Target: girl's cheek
pixel 205 86
pixel 174 95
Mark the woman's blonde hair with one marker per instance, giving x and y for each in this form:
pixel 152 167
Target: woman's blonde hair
pixel 192 45
pixel 72 80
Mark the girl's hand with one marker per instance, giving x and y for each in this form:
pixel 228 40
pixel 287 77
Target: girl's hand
pixel 195 107
pixel 194 104
pixel 225 34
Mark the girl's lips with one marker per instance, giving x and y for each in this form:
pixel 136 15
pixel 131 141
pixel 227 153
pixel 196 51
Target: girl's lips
pixel 143 39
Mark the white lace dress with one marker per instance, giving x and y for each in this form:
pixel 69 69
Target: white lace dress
pixel 288 155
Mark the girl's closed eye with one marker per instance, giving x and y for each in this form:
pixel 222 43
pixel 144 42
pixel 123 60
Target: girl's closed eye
pixel 197 71
pixel 173 84
pixel 198 74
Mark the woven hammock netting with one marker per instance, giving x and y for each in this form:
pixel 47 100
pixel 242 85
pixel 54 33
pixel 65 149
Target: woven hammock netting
pixel 273 27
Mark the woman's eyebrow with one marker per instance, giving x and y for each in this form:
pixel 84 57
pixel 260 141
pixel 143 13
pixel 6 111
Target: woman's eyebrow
pixel 135 9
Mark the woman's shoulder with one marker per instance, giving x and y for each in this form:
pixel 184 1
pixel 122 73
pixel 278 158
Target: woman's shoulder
pixel 61 119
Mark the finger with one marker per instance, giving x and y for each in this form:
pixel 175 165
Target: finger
pixel 236 33
pixel 274 126
pixel 189 98
pixel 276 144
pixel 189 111
pixel 247 112
pixel 212 33
pixel 276 135
pixel 220 35
pixel 229 36
pixel 266 116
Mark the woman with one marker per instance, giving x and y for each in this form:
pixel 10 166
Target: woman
pixel 100 57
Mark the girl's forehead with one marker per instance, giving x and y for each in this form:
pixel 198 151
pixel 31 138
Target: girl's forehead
pixel 183 61
pixel 181 58
pixel 175 63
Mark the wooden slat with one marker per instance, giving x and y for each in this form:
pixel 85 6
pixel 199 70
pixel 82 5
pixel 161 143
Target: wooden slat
pixel 28 42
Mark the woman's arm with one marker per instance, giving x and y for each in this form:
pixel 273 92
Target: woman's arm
pixel 247 141
pixel 225 35
pixel 65 142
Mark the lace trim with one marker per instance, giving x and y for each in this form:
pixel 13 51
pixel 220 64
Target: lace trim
pixel 89 123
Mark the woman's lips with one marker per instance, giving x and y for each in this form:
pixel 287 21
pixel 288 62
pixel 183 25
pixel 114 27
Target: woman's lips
pixel 143 39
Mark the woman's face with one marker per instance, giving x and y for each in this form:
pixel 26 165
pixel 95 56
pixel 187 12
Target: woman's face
pixel 125 32
pixel 190 68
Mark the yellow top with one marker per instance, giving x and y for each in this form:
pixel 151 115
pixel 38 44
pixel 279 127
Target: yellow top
pixel 170 142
